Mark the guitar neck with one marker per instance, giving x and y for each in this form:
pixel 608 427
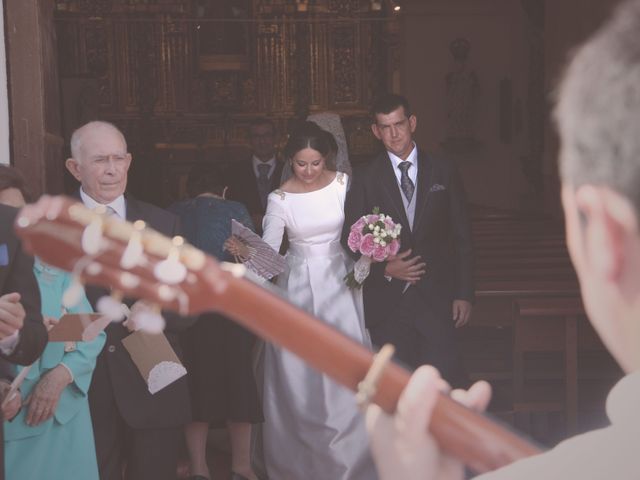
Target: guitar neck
pixel 472 437
pixel 64 234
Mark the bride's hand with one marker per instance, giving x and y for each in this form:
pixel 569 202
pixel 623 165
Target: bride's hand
pixel 236 247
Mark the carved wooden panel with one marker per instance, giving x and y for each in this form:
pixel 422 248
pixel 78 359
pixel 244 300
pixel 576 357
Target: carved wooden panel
pixel 344 66
pixel 36 140
pixel 153 72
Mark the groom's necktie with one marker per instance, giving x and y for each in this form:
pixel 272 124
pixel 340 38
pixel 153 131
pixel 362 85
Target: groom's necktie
pixel 406 184
pixel 263 182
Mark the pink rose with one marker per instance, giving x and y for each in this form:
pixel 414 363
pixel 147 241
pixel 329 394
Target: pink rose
pixel 372 218
pixel 380 252
pixel 355 237
pixel 389 225
pixel 367 245
pixel 359 225
pixel 394 247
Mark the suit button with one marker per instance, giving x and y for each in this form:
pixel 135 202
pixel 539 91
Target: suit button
pixel 112 348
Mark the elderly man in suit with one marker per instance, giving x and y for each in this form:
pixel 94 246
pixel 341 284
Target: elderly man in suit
pixel 132 427
pixel 22 333
pixel 251 180
pixel 415 299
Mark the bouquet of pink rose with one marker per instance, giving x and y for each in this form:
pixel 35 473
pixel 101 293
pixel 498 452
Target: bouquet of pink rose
pixel 376 236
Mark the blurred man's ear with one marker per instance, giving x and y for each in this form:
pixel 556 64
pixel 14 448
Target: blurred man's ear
pixel 605 228
pixel 73 167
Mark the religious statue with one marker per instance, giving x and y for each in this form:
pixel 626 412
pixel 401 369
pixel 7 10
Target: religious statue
pixel 462 91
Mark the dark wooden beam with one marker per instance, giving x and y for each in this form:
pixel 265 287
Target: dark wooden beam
pixel 34 103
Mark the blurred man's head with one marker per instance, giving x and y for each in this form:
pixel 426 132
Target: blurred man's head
pixel 598 116
pixel 13 187
pixel 100 161
pixel 262 136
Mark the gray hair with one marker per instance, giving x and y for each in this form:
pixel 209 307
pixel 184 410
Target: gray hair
pixel 79 133
pixel 598 109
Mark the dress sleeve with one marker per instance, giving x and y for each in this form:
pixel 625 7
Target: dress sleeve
pixel 275 220
pixel 82 360
pixel 343 182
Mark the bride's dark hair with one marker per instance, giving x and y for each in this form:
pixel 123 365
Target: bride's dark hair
pixel 310 135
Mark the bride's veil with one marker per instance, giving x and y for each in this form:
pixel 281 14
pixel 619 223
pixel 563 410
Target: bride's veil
pixel 330 122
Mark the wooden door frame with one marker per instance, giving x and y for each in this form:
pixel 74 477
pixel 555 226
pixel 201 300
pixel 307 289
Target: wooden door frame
pixel 34 93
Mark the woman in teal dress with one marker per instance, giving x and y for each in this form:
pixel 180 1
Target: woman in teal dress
pixel 57 442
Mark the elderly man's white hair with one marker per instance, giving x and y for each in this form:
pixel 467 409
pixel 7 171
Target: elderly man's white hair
pixel 78 135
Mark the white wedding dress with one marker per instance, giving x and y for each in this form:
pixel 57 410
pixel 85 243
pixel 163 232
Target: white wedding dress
pixel 313 429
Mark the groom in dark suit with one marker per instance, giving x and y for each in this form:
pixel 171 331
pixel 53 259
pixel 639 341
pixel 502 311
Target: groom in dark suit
pixel 132 427
pixel 415 299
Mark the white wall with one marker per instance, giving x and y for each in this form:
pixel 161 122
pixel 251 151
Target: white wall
pixel 4 97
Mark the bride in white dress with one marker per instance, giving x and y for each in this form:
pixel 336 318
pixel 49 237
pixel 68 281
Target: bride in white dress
pixel 313 429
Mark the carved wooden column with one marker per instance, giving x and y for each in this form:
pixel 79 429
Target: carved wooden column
pixel 537 104
pixel 36 139
pixel 302 73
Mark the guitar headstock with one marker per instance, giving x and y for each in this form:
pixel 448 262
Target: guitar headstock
pixel 126 257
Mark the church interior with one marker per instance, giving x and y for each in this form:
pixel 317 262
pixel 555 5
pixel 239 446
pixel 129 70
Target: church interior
pixel 184 79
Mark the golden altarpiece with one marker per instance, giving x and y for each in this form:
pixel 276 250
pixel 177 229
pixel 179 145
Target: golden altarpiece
pixel 183 78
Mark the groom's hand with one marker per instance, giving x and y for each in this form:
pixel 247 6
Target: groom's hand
pixel 404 267
pixel 461 312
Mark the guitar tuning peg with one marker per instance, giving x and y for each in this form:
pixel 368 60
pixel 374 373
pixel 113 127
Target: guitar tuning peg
pixel 171 270
pixel 129 281
pixel 133 253
pixel 72 295
pixel 111 306
pixel 149 320
pixel 91 240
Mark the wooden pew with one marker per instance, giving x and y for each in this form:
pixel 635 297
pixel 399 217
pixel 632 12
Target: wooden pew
pixel 524 275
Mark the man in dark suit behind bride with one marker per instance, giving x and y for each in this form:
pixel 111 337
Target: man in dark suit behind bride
pixel 415 299
pixel 252 179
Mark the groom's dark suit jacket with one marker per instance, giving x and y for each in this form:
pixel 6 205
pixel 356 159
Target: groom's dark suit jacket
pixel 441 235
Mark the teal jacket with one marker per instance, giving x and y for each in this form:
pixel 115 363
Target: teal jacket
pixel 81 361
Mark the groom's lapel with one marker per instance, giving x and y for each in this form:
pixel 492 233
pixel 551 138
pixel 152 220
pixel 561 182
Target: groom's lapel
pixel 423 187
pixel 391 190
